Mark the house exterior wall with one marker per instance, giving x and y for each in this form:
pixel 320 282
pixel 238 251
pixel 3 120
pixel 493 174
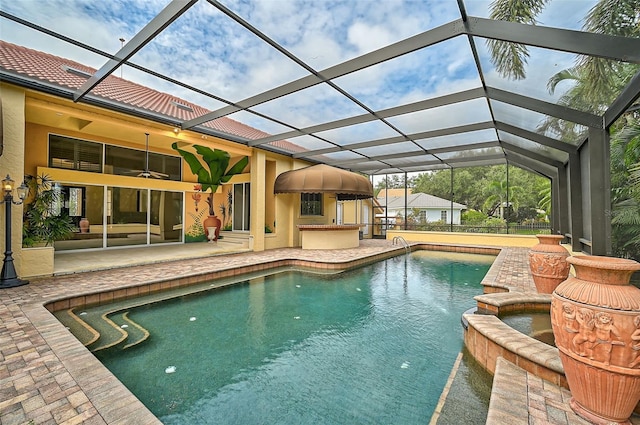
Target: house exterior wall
pixel 30 117
pixel 359 212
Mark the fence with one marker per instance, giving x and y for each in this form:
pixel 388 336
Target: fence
pixel 511 228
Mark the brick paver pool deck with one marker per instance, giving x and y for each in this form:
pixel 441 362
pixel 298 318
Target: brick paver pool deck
pixel 48 377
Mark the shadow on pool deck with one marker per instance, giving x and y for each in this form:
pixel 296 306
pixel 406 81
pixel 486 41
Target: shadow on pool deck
pixel 66 262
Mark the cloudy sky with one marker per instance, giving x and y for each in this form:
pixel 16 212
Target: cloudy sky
pixel 206 49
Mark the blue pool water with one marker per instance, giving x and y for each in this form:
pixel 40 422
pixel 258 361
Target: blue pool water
pixel 373 345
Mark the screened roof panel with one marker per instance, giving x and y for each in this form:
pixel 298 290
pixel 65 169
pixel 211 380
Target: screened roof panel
pixel 539 123
pixel 310 143
pixel 403 147
pixel 541 65
pixel 258 122
pixel 409 161
pixel 444 68
pixel 88 25
pixel 471 153
pixel 457 114
pixel 333 32
pixel 339 157
pixel 479 162
pixel 548 78
pixel 534 147
pixel 185 51
pixel 457 140
pixel 327 105
pixel 372 130
pixel 559 14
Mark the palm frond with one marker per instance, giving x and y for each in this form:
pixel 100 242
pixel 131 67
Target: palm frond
pixel 510 58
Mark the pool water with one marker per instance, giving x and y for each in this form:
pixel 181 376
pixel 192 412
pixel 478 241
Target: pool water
pixel 372 345
pixel 536 325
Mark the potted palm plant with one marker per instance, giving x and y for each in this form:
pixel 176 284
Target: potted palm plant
pixel 217 162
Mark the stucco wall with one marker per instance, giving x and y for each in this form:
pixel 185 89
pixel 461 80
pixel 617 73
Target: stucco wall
pixel 12 163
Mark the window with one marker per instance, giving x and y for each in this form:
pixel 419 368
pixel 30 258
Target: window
pixel 81 155
pixel 131 162
pixel 311 204
pixel 443 216
pixel 74 154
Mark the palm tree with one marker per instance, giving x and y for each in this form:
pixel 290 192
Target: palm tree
pixel 625 184
pixel 613 17
pixel 545 200
pixel 498 194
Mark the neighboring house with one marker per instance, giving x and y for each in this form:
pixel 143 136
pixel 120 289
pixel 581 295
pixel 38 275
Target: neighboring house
pixel 424 208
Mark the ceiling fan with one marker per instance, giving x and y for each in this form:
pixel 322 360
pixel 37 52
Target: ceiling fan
pixel 146 173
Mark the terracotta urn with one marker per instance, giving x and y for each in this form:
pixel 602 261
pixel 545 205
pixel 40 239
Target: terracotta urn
pixel 596 324
pixel 84 225
pixel 212 222
pixel 547 262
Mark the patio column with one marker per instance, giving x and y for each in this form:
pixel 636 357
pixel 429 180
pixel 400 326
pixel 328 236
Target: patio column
pixel 574 176
pixel 12 162
pixel 599 191
pixel 258 198
pixel 559 203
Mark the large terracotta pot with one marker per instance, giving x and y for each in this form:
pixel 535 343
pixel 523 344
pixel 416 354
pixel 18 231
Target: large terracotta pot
pixel 212 221
pixel 596 324
pixel 547 262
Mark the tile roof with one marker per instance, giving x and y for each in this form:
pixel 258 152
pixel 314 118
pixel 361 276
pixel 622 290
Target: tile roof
pixel 57 71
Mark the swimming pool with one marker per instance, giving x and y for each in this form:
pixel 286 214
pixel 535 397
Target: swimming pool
pixel 371 345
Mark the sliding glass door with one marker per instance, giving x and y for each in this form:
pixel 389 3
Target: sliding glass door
pixel 112 216
pixel 127 216
pixel 165 217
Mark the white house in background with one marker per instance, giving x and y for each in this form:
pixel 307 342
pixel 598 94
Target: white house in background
pixel 430 208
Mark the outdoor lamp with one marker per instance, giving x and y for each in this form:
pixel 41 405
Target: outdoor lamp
pixel 8 277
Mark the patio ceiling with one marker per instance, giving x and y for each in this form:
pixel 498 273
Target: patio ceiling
pixel 443 104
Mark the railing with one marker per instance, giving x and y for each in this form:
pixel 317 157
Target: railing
pixel 400 240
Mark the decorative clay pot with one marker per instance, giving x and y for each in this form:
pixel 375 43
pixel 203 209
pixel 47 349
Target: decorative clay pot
pixel 547 261
pixel 212 221
pixel 596 324
pixel 84 225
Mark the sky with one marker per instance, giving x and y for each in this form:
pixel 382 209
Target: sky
pixel 206 49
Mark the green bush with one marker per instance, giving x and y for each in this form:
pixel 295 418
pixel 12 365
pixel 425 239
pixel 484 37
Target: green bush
pixel 41 223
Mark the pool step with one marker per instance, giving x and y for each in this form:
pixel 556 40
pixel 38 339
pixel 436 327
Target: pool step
pixel 100 330
pixel 136 334
pixel 85 333
pixel 110 334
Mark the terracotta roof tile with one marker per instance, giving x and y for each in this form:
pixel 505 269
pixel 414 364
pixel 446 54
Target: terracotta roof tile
pixel 55 70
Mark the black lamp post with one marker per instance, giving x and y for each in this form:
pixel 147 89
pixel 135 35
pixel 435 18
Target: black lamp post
pixel 8 277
